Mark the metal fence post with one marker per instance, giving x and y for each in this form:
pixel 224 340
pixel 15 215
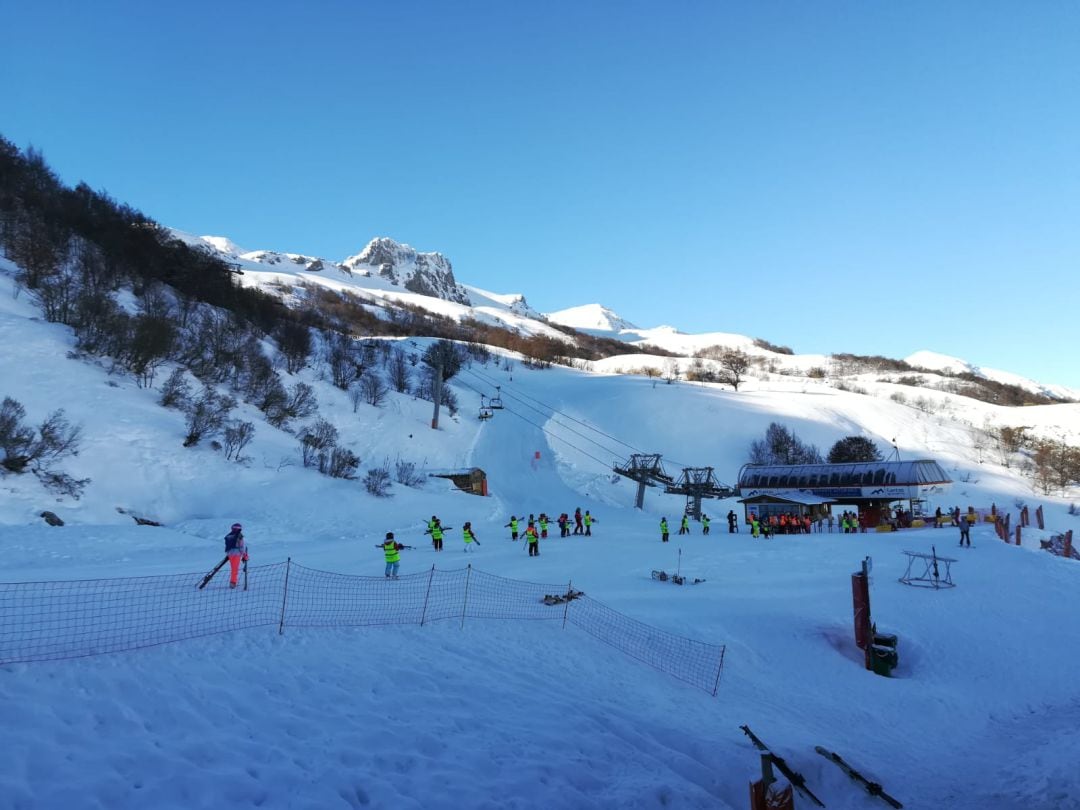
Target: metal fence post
pixel 566 609
pixel 465 602
pixel 431 576
pixel 284 596
pixel 719 669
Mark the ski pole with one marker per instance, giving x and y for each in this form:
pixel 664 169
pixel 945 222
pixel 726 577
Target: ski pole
pixel 245 573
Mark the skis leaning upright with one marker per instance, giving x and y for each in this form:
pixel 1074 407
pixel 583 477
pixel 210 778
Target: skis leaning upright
pixel 873 788
pixel 797 780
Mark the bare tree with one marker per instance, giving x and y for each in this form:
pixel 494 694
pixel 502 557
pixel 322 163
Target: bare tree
pixel 734 363
pixel 236 437
pixel 398 371
pixel 294 341
pixel 342 360
pixel 176 393
pixel 316 440
pixel 374 389
pixel 207 415
pixel 343 463
pixel 671 370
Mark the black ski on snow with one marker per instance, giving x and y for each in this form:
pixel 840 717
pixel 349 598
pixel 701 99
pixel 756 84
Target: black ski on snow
pixel 797 780
pixel 873 788
pixel 210 576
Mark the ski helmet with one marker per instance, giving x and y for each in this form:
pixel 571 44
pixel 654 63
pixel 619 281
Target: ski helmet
pixel 236 527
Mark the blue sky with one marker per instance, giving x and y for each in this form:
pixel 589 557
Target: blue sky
pixel 867 177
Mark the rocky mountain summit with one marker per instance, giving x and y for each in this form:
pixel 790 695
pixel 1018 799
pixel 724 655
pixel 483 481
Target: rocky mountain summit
pixel 401 265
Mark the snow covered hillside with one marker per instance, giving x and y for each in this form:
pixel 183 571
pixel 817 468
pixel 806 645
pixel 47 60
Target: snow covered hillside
pixel 981 714
pixel 386 270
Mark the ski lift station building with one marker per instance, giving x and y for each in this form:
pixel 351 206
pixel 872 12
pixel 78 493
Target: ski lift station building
pixel 869 485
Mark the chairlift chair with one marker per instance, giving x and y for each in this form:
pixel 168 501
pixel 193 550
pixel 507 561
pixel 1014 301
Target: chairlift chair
pixel 496 401
pixel 485 410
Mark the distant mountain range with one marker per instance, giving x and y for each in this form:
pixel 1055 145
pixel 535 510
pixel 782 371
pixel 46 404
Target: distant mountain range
pixel 386 270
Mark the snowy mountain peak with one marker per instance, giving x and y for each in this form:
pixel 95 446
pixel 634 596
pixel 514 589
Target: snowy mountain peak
pixel 592 317
pixel 940 362
pixel 402 265
pixel 224 244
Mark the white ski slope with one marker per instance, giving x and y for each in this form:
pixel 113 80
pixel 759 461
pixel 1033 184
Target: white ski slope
pixel 982 712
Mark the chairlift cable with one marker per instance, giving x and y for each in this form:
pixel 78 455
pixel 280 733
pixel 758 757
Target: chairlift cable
pixel 564 415
pixel 543 429
pixel 565 427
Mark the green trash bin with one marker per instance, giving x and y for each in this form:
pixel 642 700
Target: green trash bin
pixel 885 640
pixel 883 660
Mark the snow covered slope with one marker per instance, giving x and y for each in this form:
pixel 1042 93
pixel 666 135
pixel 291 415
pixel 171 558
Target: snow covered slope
pixel 527 715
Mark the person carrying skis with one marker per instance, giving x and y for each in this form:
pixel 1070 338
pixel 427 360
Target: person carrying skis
pixel 513 527
pixel 663 530
pixel 392 552
pixel 236 550
pixel 577 521
pixel 732 522
pixel 684 526
pixel 543 525
pixel 467 535
pixel 704 524
pixel 436 534
pixel 589 521
pixel 532 540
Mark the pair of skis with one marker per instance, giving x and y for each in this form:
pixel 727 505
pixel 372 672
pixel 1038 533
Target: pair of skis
pixel 799 782
pixel 873 788
pixel 206 580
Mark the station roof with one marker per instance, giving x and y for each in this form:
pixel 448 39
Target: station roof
pixel 921 472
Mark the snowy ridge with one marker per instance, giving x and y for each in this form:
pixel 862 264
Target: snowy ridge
pixel 591 318
pixel 954 365
pixel 386 270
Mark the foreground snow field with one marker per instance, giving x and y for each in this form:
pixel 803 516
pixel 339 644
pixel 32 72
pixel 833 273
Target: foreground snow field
pixel 983 711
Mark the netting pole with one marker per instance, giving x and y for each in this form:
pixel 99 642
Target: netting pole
pixel 284 596
pixel 719 669
pixel 431 576
pixel 566 609
pixel 465 601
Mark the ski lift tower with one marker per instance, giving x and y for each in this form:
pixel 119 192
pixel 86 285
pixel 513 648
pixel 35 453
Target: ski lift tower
pixel 647 470
pixel 697 483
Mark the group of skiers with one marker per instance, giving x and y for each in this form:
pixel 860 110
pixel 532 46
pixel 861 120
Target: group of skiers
pixel 536 528
pixel 684 525
pixel 784 523
pixel 438 531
